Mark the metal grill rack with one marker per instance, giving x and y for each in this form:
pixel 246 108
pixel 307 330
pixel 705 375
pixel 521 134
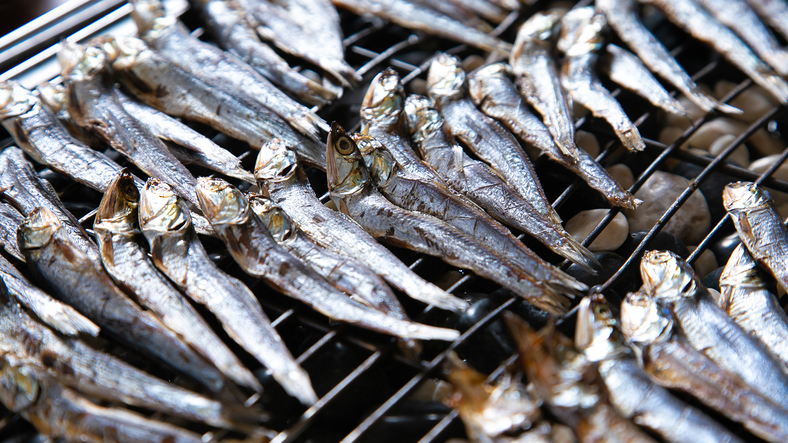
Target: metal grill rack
pixel 366 387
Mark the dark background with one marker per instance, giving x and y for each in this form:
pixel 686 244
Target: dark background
pixel 15 13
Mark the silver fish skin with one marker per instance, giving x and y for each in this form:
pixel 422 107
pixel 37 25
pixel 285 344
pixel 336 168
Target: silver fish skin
pixel 171 38
pixel 82 282
pixel 53 97
pixel 73 363
pixel 282 179
pixel 181 257
pixel 481 185
pixel 353 191
pixel 456 12
pixel 484 136
pixel 227 23
pixel 10 219
pixel 631 391
pixel 628 71
pixel 697 22
pixel 493 92
pixel 414 16
pixel 580 40
pixel 538 79
pixel 258 254
pixel 760 227
pixel 621 16
pixel 739 17
pixel 748 301
pixel 774 12
pixel 168 88
pixel 710 330
pixel 485 9
pixel 116 232
pixel 671 362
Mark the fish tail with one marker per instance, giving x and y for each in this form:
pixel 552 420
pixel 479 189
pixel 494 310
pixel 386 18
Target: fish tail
pixel 571 249
pixel 433 295
pixel 242 376
pixel 342 72
pixel 551 300
pixel 69 322
pixel 630 137
pixel 773 83
pixel 673 106
pixel 308 123
pixel 419 331
pixel 297 383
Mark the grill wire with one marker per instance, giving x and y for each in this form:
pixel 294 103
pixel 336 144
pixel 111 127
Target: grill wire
pixel 364 384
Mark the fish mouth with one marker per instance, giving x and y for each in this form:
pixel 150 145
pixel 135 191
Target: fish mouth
pixel 595 328
pixel 539 26
pixel 384 96
pixel 744 195
pixel 120 201
pixel 643 321
pixel 145 14
pixel 220 201
pixel 160 208
pixel 446 77
pixel 666 276
pixel 81 62
pixel 122 51
pixel 38 229
pixel 275 161
pixel 422 117
pixel 14 99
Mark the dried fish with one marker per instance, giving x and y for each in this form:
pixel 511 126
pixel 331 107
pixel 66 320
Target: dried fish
pixel 484 8
pixel 456 12
pixel 775 12
pixel 10 219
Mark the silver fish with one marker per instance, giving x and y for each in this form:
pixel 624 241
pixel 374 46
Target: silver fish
pixel 166 34
pixel 116 229
pixel 229 26
pixel 485 9
pixel 258 254
pixel 493 92
pixel 692 18
pixel 537 76
pixel 598 336
pixel 82 282
pixel 580 42
pixel 484 136
pixel 760 226
pixel 775 12
pixel 456 12
pixel 414 16
pixel 355 195
pixel 53 97
pixel 180 256
pixel 746 298
pixel 673 283
pixel 627 70
pixel 283 180
pixel 10 219
pixel 672 362
pixel 622 18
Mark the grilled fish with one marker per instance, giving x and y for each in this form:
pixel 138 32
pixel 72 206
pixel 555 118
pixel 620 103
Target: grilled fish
pixel 672 362
pixel 127 263
pixel 53 97
pixel 622 18
pixel 456 12
pixel 10 219
pixel 229 26
pixel 258 254
pixel 355 195
pixel 493 92
pixel 570 385
pixel 483 8
pixel 598 336
pixel 81 281
pixel 692 18
pixel 775 12
pixel 580 41
pixel 180 256
pixel 282 179
pixel 760 226
pixel 673 283
pixel 415 16
pixel 484 136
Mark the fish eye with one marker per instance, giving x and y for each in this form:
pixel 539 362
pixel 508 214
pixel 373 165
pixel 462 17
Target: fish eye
pixel 131 191
pixel 344 146
pixel 602 310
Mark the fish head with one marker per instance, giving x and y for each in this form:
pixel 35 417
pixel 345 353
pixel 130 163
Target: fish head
pixel 384 97
pixel 596 333
pixel 581 31
pixel 377 158
pixel 161 210
pixel 643 320
pixel 81 62
pixel 15 99
pixel 539 26
pixel 667 276
pixel 485 79
pixel 446 78
pixel 347 174
pixel 147 14
pixel 123 52
pixel 278 223
pixel 37 230
pixel 423 117
pixel 275 162
pixel 20 386
pixel 745 196
pixel 53 96
pixel 221 202
pixel 118 208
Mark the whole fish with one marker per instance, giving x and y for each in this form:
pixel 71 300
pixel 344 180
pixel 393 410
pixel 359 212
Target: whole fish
pixel 692 18
pixel 233 32
pixel 630 390
pixel 415 16
pixel 170 89
pixel 748 301
pixel 307 29
pixel 258 254
pixel 760 226
pixel 171 38
pixel 673 283
pixel 621 16
pixel 282 179
pixel 355 195
pixel 181 257
pixel 480 184
pixel 570 385
pixel 533 66
pixel 580 41
pixel 484 136
pixel 627 70
pixel 10 219
pixel 775 12
pixel 739 17
pixel 116 231
pixel 82 282
pixel 493 92
pixel 673 363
